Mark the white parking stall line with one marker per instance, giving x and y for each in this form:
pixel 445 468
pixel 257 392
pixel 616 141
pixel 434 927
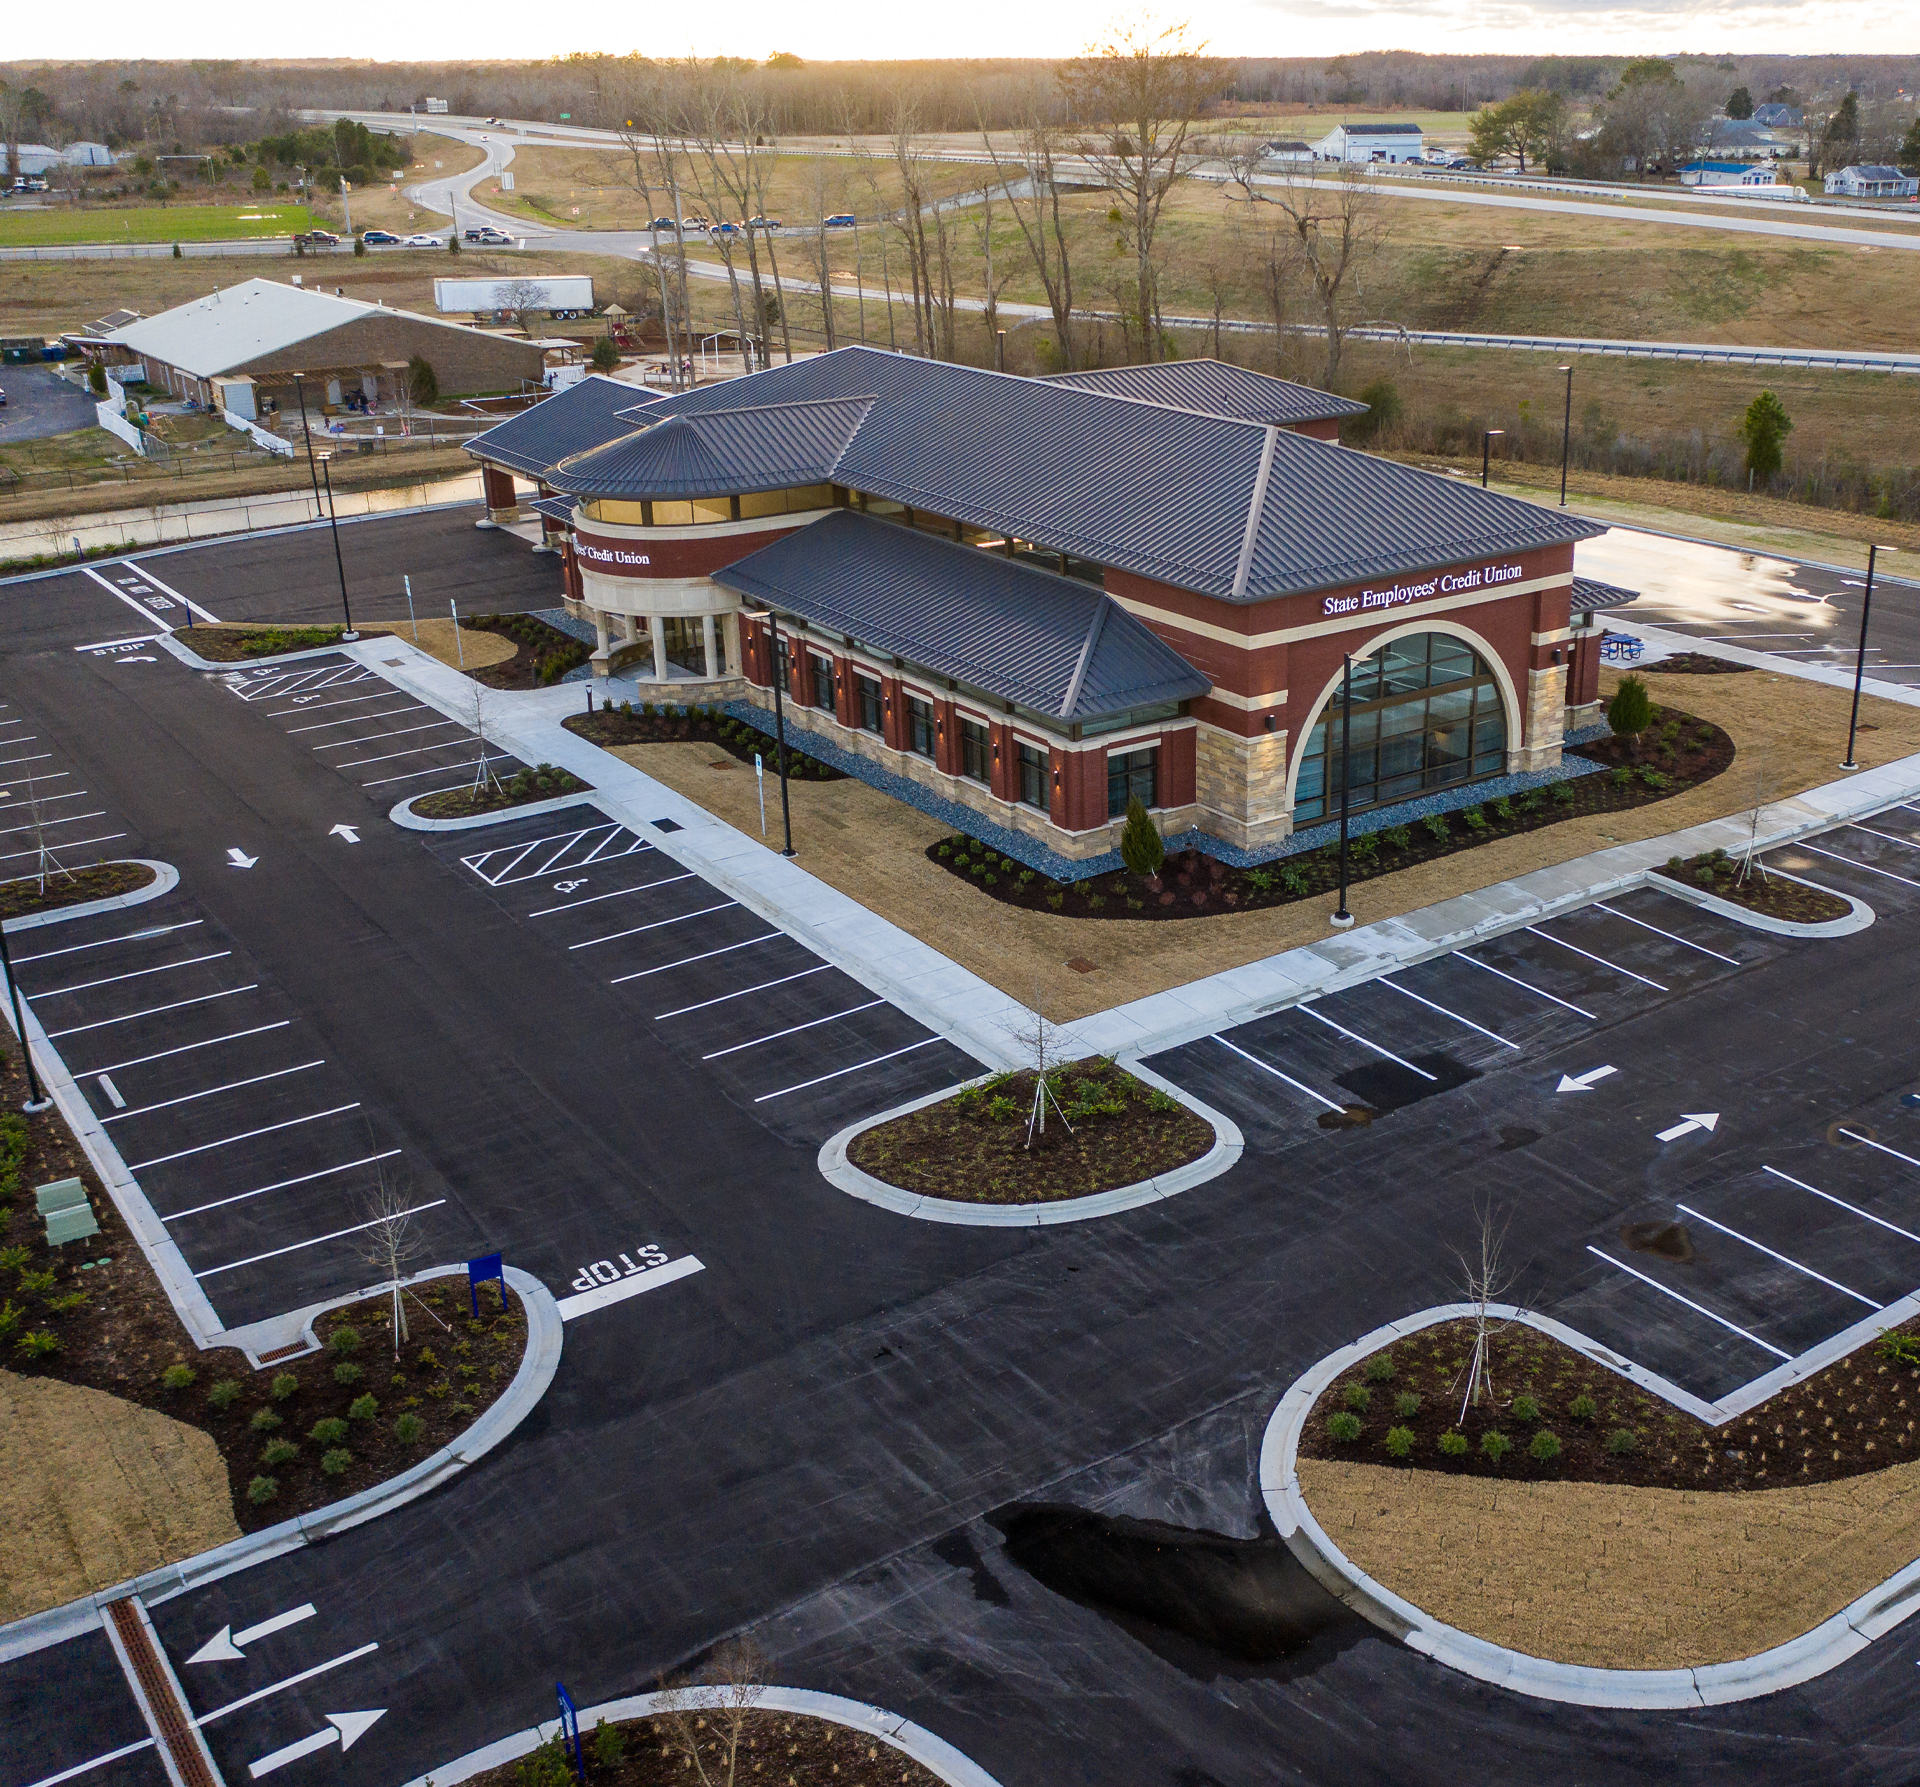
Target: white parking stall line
pixel 519 856
pixel 292 1681
pixel 167 1104
pixel 595 851
pixel 1832 1284
pixel 438 769
pixel 71 819
pixel 1697 1308
pixel 288 682
pixel 300 1246
pixel 1889 837
pixel 1853 1135
pixel 1536 931
pixel 1671 936
pixel 704 956
pixel 160 1160
pixel 386 694
pixel 410 707
pixel 794 1029
pixel 152 1011
pixel 66 844
pixel 46 799
pixel 658 923
pixel 80 986
pixel 373 738
pixel 1855 863
pixel 1306 1005
pixel 764 986
pixel 47 955
pixel 1460 955
pixel 31 757
pixel 1891 1227
pixel 87 1768
pixel 1395 986
pixel 21 738
pixel 186 1048
pixel 840 1073
pixel 505 876
pixel 167 589
pixel 394 756
pixel 240 1197
pixel 1268 1066
pixel 619 893
pixel 112 589
pixel 664 881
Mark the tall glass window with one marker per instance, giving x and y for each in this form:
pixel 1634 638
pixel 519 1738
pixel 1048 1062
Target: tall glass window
pixel 1131 776
pixel 867 703
pixel 1426 714
pixel 782 663
pixel 822 681
pixel 976 752
pixel 1033 778
pixel 920 727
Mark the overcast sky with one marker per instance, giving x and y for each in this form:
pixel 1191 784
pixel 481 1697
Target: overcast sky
pixel 883 29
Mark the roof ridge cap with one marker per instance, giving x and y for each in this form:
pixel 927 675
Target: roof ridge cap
pixel 1088 646
pixel 790 403
pixel 1256 507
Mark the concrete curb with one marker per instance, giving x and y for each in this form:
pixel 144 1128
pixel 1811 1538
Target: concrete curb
pixel 933 1753
pixel 1800 1659
pixel 840 1172
pixel 404 815
pixel 545 1336
pixel 1858 919
pixel 165 879
pixel 193 660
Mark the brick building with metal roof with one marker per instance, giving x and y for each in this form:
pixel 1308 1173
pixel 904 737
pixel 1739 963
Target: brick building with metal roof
pixel 1040 598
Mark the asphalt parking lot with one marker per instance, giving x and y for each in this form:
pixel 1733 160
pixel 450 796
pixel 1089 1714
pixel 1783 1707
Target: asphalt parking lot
pixel 41 403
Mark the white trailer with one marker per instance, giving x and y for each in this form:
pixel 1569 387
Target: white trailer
pixel 561 295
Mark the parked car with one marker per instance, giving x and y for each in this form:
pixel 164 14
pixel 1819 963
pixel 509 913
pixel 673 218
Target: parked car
pixel 487 236
pixel 380 239
pixel 661 225
pixel 3 397
pixel 723 229
pixel 844 221
pixel 767 224
pixel 319 239
pixel 694 223
pixel 423 240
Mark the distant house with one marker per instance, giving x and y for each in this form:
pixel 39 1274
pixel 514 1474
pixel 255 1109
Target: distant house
pixel 1371 142
pixel 1726 173
pixel 1286 149
pixel 37 158
pixel 1739 136
pixel 1872 182
pixel 1779 117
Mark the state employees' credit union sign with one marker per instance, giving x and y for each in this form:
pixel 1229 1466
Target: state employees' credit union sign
pixel 612 558
pixel 1395 595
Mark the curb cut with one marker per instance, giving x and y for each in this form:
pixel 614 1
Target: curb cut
pixel 165 879
pixel 545 1336
pixel 404 815
pixel 932 1753
pixel 1800 1659
pixel 1858 919
pixel 840 1172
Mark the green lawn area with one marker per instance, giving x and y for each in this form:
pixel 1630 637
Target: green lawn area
pixel 165 223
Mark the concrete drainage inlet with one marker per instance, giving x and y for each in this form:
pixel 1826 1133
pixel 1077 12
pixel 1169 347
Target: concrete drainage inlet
pixel 1209 1604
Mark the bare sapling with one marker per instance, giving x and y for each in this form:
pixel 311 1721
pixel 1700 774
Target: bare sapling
pixel 1485 1281
pixel 1762 793
pixel 483 776
pixel 1040 1042
pixel 705 1719
pixel 43 852
pixel 390 1243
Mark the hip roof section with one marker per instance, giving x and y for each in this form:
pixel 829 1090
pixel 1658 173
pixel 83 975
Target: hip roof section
pixel 721 452
pixel 570 421
pixel 1216 388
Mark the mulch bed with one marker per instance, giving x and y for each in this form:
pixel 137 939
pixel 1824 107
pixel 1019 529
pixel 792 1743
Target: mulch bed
pixel 648 725
pixel 1694 664
pixel 542 654
pixel 779 1749
pixel 542 782
pixel 973 1147
pixel 112 1328
pixel 1771 894
pixel 233 645
pixel 100 881
pixel 1677 752
pixel 1858 1415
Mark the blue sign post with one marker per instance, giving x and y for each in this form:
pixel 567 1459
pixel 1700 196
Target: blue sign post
pixel 478 1272
pixel 570 1729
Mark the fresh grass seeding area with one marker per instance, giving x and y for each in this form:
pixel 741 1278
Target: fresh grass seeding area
pixel 973 1149
pixel 139 223
pixel 542 782
pixel 100 881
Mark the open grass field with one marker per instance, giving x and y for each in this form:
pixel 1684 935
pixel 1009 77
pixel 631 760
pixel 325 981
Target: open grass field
pixel 57 228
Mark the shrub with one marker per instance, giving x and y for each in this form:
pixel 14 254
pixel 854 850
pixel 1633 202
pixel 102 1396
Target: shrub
pixel 409 1429
pixel 609 1745
pixel 1400 837
pixel 1294 880
pixel 1563 794
pixel 1502 807
pixel 1621 1441
pixel 264 1421
pixel 336 1461
pixel 605 356
pixel 1653 778
pixel 1001 1108
pixel 262 1490
pixel 10 1318
pixel 1437 826
pixel 1475 818
pixel 1525 1409
pixel 1675 864
pixel 343 1340
pixel 328 1432
pixel 363 1408
pixel 276 1452
pixel 1630 712
pixel 1343 1428
pixel 1494 1446
pixel 1704 876
pixel 1583 1407
pixel 284 1385
pixel 1406 1405
pixel 1544 1447
pixel 37 1344
pixel 1162 1102
pixel 1399 1442
pixel 1621 777
pixel 224 1393
pixel 1899 1349
pixel 1356 1396
pixel 1141 848
pixel 38 1283
pixel 345 1373
pixel 1379 1368
pixel 1453 1444
pixel 177 1377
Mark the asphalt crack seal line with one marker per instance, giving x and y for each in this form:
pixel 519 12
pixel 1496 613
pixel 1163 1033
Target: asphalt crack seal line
pixel 189 1762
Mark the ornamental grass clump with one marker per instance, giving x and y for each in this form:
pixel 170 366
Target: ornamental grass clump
pixel 1406 1405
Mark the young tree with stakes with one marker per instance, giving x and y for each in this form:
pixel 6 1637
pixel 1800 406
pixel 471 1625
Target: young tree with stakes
pixel 1485 1281
pixel 1040 1042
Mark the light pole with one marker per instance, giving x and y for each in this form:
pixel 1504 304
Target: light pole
pixel 339 564
pixel 37 1100
pixel 1860 655
pixel 1566 435
pixel 1343 919
pixel 1486 453
pixel 779 728
pixel 306 434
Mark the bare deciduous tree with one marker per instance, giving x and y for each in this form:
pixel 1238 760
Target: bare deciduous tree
pixel 523 297
pixel 390 1243
pixel 483 776
pixel 705 1719
pixel 1042 226
pixel 1485 1280
pixel 1039 1042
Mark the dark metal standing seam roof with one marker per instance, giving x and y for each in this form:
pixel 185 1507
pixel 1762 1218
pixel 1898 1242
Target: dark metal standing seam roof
pixel 1051 644
pixel 1215 388
pixel 720 452
pixel 580 416
pixel 1160 492
pixel 1590 594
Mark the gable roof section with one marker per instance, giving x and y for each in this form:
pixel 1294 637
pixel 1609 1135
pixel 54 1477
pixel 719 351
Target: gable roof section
pixel 1051 644
pixel 720 452
pixel 1215 388
pixel 570 421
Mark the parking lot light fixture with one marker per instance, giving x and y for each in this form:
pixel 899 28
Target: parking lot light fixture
pixel 306 434
pixel 339 564
pixel 1860 653
pixel 779 729
pixel 1566 434
pixel 1343 919
pixel 1486 453
pixel 37 1099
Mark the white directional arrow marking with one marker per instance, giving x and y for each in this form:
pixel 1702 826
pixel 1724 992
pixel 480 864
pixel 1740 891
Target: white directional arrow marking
pixel 226 1644
pixel 1583 1082
pixel 349 832
pixel 344 1729
pixel 240 859
pixel 1690 1121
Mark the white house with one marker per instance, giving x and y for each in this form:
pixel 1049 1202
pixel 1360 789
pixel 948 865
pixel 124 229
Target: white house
pixel 1371 142
pixel 1286 149
pixel 1872 182
pixel 37 158
pixel 1726 173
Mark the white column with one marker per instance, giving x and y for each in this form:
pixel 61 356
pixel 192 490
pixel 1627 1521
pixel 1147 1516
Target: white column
pixel 657 628
pixel 600 629
pixel 708 640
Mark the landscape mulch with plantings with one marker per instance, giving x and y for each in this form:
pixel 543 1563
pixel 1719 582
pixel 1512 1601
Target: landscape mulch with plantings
pixel 1695 664
pixel 650 725
pixel 972 1147
pixel 100 881
pixel 542 782
pixel 542 654
pixel 92 1313
pixel 233 645
pixel 777 1749
pixel 1759 890
pixel 1677 752
pixel 1561 1418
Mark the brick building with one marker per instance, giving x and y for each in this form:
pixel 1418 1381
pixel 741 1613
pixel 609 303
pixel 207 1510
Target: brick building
pixel 1041 598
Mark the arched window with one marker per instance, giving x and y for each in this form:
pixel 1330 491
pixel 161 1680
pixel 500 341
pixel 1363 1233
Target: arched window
pixel 1426 713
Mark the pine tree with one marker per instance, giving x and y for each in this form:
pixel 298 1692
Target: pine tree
pixel 1630 712
pixel 1140 846
pixel 1765 428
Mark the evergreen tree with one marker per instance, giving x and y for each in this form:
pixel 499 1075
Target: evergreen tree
pixel 1630 712
pixel 1739 103
pixel 1140 846
pixel 1764 429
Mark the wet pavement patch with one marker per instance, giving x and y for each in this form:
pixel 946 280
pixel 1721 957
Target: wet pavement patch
pixel 1210 1604
pixel 1669 1240
pixel 1515 1136
pixel 1389 1085
pixel 961 1552
pixel 1352 1116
